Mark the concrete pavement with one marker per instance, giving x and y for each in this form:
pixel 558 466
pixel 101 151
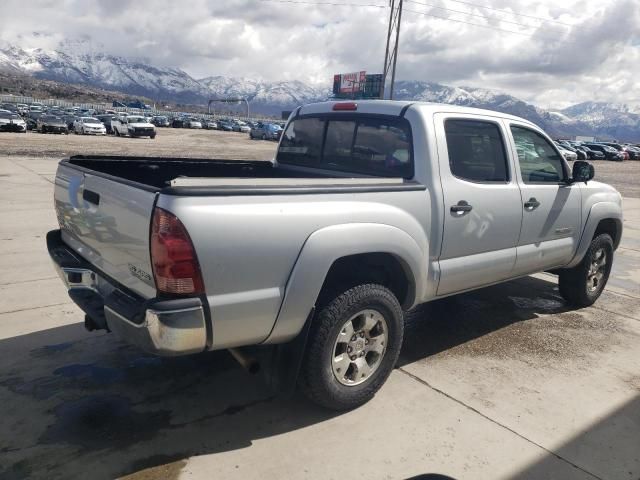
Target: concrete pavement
pixel 501 383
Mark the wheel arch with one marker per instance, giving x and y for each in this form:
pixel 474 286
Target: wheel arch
pixel 381 252
pixel 604 217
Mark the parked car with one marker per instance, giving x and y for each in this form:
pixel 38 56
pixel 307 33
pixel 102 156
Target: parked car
pixel 11 107
pixel 210 125
pixel 12 122
pixel 160 121
pixel 324 267
pixel 132 126
pixel 609 153
pixel 89 126
pixel 240 126
pixel 225 126
pixel 192 123
pixel 591 154
pixel 51 124
pixel 106 121
pixel 178 122
pixel 266 131
pixel 634 151
pixel 572 148
pixel 619 148
pixel 567 154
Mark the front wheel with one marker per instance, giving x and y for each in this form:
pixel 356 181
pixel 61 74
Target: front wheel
pixel 353 345
pixel 581 285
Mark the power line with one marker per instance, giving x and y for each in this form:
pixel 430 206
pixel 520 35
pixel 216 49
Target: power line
pixel 334 4
pixel 472 14
pixel 510 13
pixel 470 23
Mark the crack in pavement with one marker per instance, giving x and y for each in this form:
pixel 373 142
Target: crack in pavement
pixel 36 308
pixel 495 422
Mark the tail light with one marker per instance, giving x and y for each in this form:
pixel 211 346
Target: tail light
pixel 175 265
pixel 345 106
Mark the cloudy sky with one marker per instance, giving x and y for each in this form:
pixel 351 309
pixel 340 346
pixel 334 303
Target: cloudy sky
pixel 563 51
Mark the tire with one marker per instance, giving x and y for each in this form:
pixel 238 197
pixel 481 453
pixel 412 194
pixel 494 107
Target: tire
pixel 117 132
pixel 153 136
pixel 264 137
pixel 359 306
pixel 581 285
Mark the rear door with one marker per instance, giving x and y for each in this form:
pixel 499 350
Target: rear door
pixel 107 223
pixel 482 202
pixel 552 209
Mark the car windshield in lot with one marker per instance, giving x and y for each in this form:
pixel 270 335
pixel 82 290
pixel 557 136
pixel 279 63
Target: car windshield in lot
pixel 371 146
pixel 90 120
pixel 11 116
pixel 135 119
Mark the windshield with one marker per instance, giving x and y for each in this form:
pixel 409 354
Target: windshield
pixel 90 120
pixel 369 145
pixel 136 120
pixel 12 116
pixel 51 118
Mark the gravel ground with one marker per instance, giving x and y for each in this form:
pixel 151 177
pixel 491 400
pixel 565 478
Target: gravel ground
pixel 169 142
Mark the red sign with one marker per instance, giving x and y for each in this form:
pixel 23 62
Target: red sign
pixel 350 82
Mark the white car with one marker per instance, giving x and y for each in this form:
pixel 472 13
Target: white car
pixel 11 122
pixel 89 126
pixel 193 123
pixel 567 154
pixel 132 126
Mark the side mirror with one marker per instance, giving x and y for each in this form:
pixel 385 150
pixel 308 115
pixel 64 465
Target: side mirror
pixel 582 171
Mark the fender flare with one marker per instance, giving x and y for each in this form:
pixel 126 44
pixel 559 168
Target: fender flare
pixel 599 211
pixel 323 247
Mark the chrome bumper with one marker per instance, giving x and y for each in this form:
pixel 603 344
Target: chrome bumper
pixel 161 327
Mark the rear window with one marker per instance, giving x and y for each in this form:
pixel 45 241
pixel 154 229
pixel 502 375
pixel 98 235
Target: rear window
pixel 378 146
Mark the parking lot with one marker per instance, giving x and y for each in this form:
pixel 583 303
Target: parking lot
pixel 501 383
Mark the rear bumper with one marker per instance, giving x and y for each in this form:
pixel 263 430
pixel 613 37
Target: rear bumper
pixel 161 327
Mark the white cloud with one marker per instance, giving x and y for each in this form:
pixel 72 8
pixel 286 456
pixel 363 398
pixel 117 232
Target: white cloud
pixel 594 58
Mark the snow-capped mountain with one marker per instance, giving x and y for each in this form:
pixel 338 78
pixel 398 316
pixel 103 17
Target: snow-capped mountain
pixel 265 97
pixel 82 62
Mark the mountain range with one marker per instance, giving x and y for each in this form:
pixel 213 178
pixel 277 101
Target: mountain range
pixel 81 62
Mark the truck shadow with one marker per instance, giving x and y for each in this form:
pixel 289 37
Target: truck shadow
pixel 75 402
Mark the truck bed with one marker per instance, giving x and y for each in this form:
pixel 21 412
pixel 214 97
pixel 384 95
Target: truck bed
pixel 195 176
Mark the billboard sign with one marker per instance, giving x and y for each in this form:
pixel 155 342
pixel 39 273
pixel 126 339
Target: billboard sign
pixel 349 82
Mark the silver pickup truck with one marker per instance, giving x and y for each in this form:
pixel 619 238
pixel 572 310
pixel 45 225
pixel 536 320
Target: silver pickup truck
pixel 367 210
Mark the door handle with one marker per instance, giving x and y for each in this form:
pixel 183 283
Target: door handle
pixel 462 207
pixel 532 204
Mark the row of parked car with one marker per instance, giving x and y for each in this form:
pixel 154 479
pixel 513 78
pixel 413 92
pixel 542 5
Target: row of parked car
pixel 45 119
pixel 256 130
pixel 577 150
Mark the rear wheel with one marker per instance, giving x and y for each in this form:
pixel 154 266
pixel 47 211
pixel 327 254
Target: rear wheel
pixel 264 137
pixel 353 345
pixel 581 285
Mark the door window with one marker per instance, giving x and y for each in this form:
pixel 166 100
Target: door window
pixel 539 161
pixel 476 151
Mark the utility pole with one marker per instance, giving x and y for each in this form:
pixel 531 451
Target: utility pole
pixel 391 54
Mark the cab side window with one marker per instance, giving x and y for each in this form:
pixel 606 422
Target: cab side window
pixel 539 161
pixel 476 151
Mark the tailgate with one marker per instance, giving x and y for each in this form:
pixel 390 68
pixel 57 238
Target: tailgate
pixel 107 223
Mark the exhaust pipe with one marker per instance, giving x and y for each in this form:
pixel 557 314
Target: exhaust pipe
pixel 250 364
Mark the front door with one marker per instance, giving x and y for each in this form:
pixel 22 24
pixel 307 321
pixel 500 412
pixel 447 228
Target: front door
pixel 551 207
pixel 482 202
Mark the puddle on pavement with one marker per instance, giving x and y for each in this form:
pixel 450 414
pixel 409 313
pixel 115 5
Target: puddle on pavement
pixel 103 421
